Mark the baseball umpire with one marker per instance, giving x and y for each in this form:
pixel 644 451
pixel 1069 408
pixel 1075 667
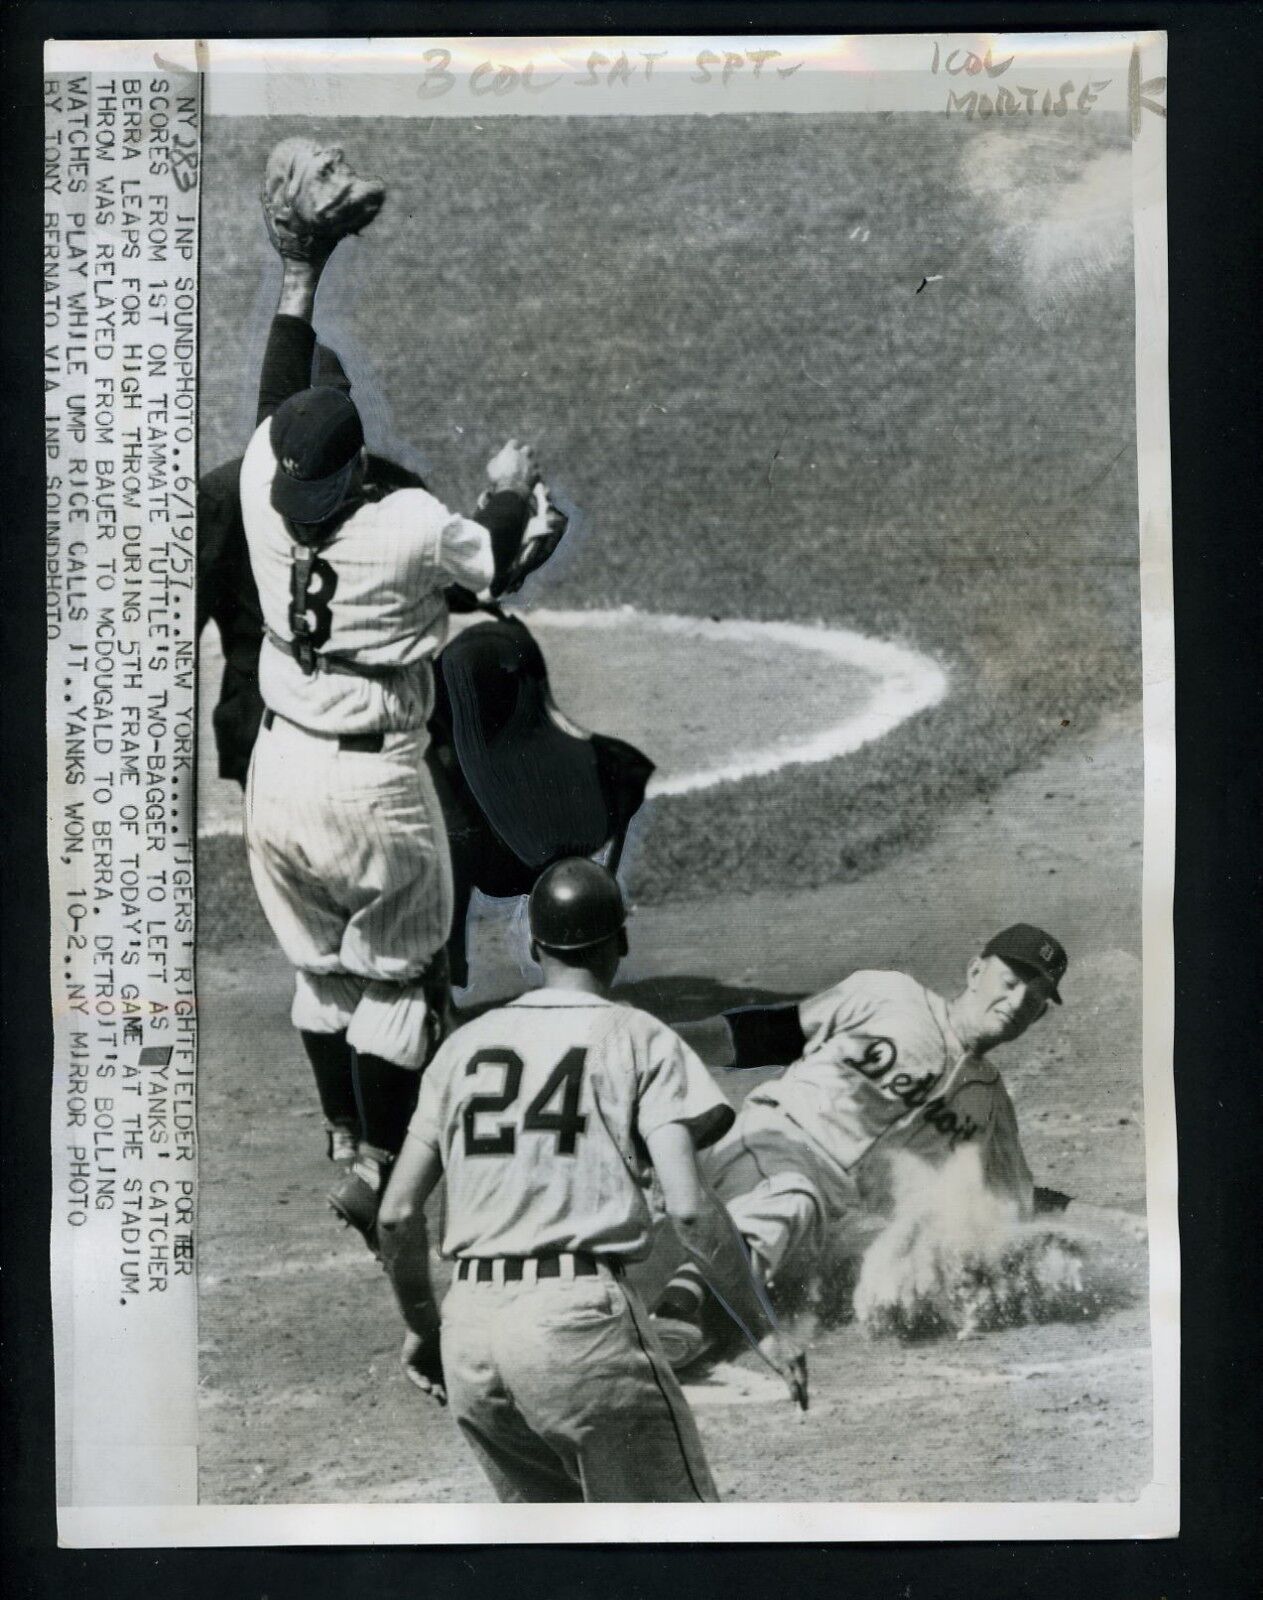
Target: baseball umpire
pixel 345 836
pixel 877 1063
pixel 547 1119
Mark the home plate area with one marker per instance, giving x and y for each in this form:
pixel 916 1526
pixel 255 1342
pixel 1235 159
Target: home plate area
pixel 729 1385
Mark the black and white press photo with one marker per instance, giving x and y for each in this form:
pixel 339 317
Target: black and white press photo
pixel 611 789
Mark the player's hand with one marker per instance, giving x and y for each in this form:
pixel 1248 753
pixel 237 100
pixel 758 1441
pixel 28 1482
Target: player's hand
pixel 513 467
pixel 787 1357
pixel 544 532
pixel 422 1363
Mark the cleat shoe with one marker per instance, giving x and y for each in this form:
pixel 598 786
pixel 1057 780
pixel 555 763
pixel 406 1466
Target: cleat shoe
pixel 356 1198
pixel 341 1145
pixel 684 1343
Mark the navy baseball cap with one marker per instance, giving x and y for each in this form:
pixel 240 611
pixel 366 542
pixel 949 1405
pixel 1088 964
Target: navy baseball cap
pixel 316 437
pixel 1024 945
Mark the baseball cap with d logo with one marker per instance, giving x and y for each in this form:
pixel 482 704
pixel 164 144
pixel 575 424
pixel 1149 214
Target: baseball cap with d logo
pixel 1024 945
pixel 316 436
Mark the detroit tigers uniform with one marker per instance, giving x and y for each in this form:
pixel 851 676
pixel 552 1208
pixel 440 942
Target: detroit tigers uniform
pixel 344 831
pixel 539 1111
pixel 881 1071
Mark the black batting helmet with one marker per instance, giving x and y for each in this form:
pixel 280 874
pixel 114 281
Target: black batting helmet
pixel 574 904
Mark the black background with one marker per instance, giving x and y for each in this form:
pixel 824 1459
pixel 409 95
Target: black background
pixel 1215 193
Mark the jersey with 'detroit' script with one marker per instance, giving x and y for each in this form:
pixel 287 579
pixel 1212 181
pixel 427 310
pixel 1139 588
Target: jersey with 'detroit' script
pixel 883 1071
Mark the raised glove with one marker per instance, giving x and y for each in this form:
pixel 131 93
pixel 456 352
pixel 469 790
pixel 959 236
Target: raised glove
pixel 311 198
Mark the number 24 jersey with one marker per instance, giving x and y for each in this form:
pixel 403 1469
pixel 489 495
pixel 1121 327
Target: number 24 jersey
pixel 540 1111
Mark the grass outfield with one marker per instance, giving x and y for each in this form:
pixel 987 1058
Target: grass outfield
pixel 755 413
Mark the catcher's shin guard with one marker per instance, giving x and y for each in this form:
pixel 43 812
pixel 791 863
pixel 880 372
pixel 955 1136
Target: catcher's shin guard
pixel 387 1097
pixel 436 986
pixel 330 1058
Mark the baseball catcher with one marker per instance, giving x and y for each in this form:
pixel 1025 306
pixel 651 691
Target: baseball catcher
pixel 311 199
pixel 343 827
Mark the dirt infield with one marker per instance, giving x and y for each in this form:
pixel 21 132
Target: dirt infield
pixel 300 1398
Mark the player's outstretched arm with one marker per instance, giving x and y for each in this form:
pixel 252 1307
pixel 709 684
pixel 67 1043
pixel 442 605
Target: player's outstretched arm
pixel 286 362
pixel 709 1236
pixel 404 1242
pixel 311 199
pixel 291 338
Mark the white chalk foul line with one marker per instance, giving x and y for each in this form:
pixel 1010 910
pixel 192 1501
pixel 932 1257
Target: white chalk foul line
pixel 904 682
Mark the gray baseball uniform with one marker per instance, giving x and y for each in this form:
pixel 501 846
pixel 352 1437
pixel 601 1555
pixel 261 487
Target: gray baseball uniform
pixel 539 1111
pixel 882 1072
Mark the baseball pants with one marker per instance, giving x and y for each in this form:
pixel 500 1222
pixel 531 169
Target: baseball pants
pixel 563 1393
pixel 349 858
pixel 777 1191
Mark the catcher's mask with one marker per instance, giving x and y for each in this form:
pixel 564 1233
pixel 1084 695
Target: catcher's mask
pixel 316 438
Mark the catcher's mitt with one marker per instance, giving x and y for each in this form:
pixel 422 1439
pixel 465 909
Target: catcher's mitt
pixel 543 533
pixel 311 199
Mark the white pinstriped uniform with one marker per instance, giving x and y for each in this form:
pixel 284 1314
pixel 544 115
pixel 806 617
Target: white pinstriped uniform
pixel 347 848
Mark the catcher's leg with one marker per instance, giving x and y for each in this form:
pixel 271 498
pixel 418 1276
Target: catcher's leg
pixel 308 925
pixel 394 875
pixel 324 1003
pixel 394 1033
pixel 331 1065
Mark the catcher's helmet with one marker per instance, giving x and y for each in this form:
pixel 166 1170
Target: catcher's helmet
pixel 575 903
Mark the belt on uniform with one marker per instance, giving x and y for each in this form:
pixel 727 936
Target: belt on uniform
pixel 513 1269
pixel 348 666
pixel 367 743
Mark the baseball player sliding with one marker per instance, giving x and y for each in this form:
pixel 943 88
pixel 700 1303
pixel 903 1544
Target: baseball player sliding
pixel 547 1118
pixel 878 1063
pixel 345 836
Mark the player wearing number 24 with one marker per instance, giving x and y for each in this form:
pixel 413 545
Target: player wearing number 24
pixel 547 1119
